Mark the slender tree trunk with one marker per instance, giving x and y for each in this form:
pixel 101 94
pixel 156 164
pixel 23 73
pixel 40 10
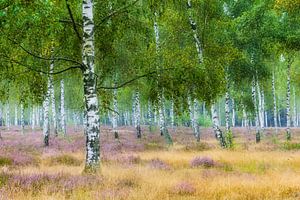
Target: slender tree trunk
pixel 114 114
pixel 172 114
pixel 193 25
pixel 62 107
pixel 260 106
pixel 245 117
pixel 216 125
pixel 150 115
pixel 295 109
pixel 257 125
pixel 137 114
pixel 161 100
pixel 22 117
pixel 279 119
pixel 227 111
pixel 16 115
pixel 192 113
pixel 233 113
pixel 288 94
pixel 196 121
pixel 8 116
pixel 46 123
pixel 274 103
pixel 52 93
pixel 33 118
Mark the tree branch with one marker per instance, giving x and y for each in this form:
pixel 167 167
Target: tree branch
pixel 120 10
pixel 43 58
pixel 73 21
pixel 69 22
pixel 41 71
pixel 127 82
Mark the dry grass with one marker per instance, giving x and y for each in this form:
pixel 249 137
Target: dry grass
pixel 263 171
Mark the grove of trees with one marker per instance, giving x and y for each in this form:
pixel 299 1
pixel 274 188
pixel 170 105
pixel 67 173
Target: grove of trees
pixel 197 63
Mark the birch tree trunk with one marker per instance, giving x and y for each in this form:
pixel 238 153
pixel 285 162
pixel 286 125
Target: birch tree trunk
pixel 90 90
pixel 274 103
pixel 16 115
pixel 52 93
pixel 114 114
pixel 62 107
pixel 137 114
pixel 227 111
pixel 161 105
pixel 33 118
pixel 193 25
pixel 245 117
pixel 192 113
pixel 233 113
pixel 172 113
pixel 288 94
pixel 216 125
pixel 46 123
pixel 294 109
pixel 257 125
pixel 260 106
pixel 196 121
pixel 8 116
pixel 22 117
pixel 150 115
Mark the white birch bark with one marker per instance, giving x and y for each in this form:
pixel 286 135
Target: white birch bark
pixel 150 115
pixel 161 100
pixel 193 25
pixel 33 118
pixel 137 114
pixel 114 114
pixel 90 93
pixel 46 123
pixel 172 114
pixel 233 113
pixel 16 115
pixel 8 116
pixel 52 93
pixel 191 113
pixel 274 103
pixel 22 118
pixel 294 109
pixel 216 125
pixel 260 106
pixel 256 113
pixel 227 111
pixel 288 94
pixel 62 107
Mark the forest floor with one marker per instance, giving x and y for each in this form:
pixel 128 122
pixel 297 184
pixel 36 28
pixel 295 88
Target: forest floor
pixel 148 169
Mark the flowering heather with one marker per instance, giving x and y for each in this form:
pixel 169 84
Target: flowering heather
pixel 202 162
pixel 184 188
pixel 159 164
pixel 113 194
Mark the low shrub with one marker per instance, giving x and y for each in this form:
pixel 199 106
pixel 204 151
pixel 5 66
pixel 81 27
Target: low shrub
pixel 64 160
pixel 184 188
pixel 202 162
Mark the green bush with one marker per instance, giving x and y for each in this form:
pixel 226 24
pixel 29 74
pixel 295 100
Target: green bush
pixel 5 161
pixel 291 146
pixel 205 121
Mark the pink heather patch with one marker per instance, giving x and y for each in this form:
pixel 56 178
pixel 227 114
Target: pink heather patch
pixel 184 188
pixel 202 162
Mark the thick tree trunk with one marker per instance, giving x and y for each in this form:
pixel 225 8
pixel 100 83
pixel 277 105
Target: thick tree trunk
pixel 288 94
pixel 256 115
pixel 216 125
pixel 62 107
pixel 274 103
pixel 90 91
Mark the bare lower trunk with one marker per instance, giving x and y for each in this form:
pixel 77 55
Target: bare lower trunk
pixel 227 112
pixel 8 116
pixel 33 119
pixel 256 113
pixel 172 113
pixel 16 115
pixel 295 109
pixel 233 113
pixel 216 125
